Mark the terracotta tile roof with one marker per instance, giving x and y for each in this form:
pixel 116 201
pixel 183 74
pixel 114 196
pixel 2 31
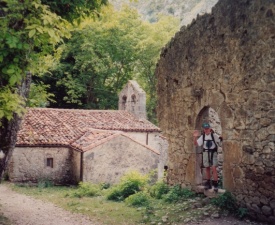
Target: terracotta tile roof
pixel 70 127
pixel 92 139
pixel 95 138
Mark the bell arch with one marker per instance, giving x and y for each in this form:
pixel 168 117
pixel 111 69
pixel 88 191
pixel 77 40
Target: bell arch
pixel 132 98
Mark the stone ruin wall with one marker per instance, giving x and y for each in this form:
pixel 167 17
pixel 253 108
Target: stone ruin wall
pixel 224 60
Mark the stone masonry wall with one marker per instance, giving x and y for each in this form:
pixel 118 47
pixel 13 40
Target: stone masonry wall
pixel 224 60
pixel 108 162
pixel 29 164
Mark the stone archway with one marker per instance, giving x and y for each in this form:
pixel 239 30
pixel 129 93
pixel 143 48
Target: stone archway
pixel 225 60
pixel 208 114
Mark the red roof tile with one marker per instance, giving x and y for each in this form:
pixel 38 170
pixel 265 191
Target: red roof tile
pixel 71 127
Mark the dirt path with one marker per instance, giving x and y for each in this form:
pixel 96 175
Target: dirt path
pixel 24 210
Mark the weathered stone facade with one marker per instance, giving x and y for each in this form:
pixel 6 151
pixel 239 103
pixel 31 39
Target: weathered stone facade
pixel 108 162
pixel 132 98
pixel 30 164
pixel 68 146
pixel 224 60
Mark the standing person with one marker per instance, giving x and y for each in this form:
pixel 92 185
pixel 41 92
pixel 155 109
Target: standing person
pixel 210 141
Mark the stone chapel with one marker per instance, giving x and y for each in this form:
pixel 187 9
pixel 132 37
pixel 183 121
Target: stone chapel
pixel 71 145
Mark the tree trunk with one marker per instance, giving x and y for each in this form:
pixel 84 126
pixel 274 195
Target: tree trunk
pixel 9 128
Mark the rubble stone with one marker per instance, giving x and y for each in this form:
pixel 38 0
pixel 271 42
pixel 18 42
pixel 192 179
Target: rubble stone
pixel 224 62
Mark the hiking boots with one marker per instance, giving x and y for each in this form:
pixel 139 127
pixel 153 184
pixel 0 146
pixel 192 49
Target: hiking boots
pixel 215 184
pixel 207 185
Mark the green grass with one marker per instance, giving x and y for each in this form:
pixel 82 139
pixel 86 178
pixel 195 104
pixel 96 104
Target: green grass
pixel 106 212
pixel 98 208
pixel 112 213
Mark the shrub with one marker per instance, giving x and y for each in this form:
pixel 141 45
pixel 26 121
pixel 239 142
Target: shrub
pixel 138 199
pixel 44 183
pixel 241 212
pixel 226 201
pixel 131 183
pixel 158 190
pixel 177 193
pixel 115 194
pixel 152 177
pixel 105 185
pixel 6 176
pixel 86 189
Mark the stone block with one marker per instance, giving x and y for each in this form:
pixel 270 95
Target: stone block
pixel 271 129
pixel 238 172
pixel 271 219
pixel 271 114
pixel 232 151
pixel 267 210
pixel 264 200
pixel 228 182
pixel 212 194
pixel 256 208
pixel 191 169
pixel 272 204
pixel 239 123
pixel 231 134
pixel 266 96
pixel 265 122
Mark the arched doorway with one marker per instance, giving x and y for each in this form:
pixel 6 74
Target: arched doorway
pixel 208 114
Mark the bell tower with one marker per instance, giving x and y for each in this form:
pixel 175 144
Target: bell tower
pixel 132 98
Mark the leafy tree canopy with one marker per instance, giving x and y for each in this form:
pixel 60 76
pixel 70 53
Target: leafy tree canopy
pixel 28 30
pixel 154 36
pixel 104 54
pixel 74 9
pixel 97 61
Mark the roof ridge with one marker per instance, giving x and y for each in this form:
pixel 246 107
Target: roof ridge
pixel 110 136
pixel 146 146
pixel 95 142
pixel 64 109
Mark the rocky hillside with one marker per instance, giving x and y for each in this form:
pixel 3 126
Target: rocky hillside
pixel 186 10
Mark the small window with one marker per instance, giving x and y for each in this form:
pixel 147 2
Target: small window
pixel 124 99
pixel 50 162
pixel 133 98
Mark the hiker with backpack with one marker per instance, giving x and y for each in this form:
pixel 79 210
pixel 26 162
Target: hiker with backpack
pixel 210 142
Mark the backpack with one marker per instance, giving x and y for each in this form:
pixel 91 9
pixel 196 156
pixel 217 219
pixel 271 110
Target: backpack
pixel 210 151
pixel 210 141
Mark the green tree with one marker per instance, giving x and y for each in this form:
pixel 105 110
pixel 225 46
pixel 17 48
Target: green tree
pixel 39 96
pixel 97 62
pixel 28 31
pixel 102 56
pixel 74 9
pixel 154 37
